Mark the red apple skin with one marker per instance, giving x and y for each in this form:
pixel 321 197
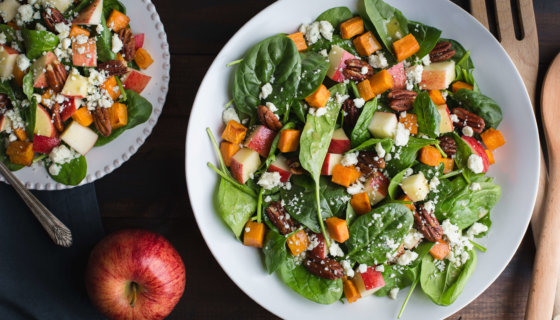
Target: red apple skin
pixel 136 81
pixel 139 40
pixel 373 279
pixel 320 251
pixel 260 140
pixel 9 50
pixel 85 15
pixel 399 76
pixel 40 79
pixel 138 256
pixel 331 159
pixel 43 144
pixel 284 175
pixel 479 150
pixel 86 59
pixel 69 109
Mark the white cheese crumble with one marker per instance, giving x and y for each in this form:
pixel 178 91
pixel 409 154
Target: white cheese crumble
pixel 355 188
pixel 362 268
pixel 412 239
pixel 458 244
pixel 340 98
pixel 364 70
pixel 54 169
pixel 429 206
pixel 324 53
pixel 407 257
pixel 270 180
pixel 359 103
pixel 378 60
pixel 393 293
pixel 319 112
pixel 348 271
pixel 475 163
pixel 266 90
pixel 335 250
pixel 402 135
pixel 326 29
pixel 426 60
pixel 62 28
pixel 229 114
pixel 2 38
pixel 62 154
pixel 476 229
pixel 434 183
pixel 116 43
pixel 379 149
pixel 23 62
pixel 24 14
pixel 444 94
pixel 475 186
pixel 467 131
pixel 350 159
pixel 413 76
pixel 380 268
pixel 271 107
pixel 454 118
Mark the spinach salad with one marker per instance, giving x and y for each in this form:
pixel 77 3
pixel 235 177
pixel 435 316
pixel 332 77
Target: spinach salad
pixel 354 154
pixel 70 80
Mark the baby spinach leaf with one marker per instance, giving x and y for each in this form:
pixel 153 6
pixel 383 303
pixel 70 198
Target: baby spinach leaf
pixel 76 7
pixel 360 133
pixel 274 250
pixel 10 34
pixel 104 43
pixel 308 285
pixel 479 104
pixel 350 214
pixel 8 88
pixel 298 109
pixel 443 287
pixel 464 151
pixel 110 5
pixel 139 111
pixel 388 21
pixel 314 68
pixel 336 16
pixel 428 116
pixel 29 115
pixel 6 160
pixel 394 184
pixel 428 171
pixel 274 60
pixel 386 143
pixel 426 36
pixel 234 206
pixel 487 222
pixel 379 232
pixel 407 154
pixel 28 85
pixel 38 41
pixel 324 44
pixel 462 57
pixel 71 173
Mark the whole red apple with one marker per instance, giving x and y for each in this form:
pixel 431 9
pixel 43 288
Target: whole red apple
pixel 135 274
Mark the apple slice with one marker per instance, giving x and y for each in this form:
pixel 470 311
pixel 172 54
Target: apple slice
pixel 76 86
pixel 69 107
pixel 60 5
pixel 260 140
pixel 383 125
pixel 416 187
pixel 446 125
pixel 320 250
pixel 39 68
pixel 90 15
pixel 43 123
pixel 244 163
pixel 84 55
pixel 399 76
pixel 8 10
pixel 478 149
pixel 331 160
pixel 376 187
pixel 43 144
pixel 280 165
pixel 8 58
pixel 337 60
pixel 80 138
pixel 339 142
pixel 139 40
pixel 369 282
pixel 438 75
pixel 5 124
pixel 135 80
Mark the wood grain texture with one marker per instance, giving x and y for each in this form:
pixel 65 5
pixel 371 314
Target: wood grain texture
pixel 149 191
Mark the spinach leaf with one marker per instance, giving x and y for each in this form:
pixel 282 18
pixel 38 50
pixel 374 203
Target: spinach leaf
pixel 360 133
pixel 324 44
pixel 10 34
pixel 308 285
pixel 394 184
pixel 76 7
pixel 110 5
pixel 28 85
pixel 426 36
pixel 487 222
pixel 443 287
pixel 479 104
pixel 429 171
pixel 7 88
pixel 378 233
pixel 429 118
pixel 386 143
pixel 407 154
pixel 274 60
pixel 234 206
pixel 314 68
pixel 464 151
pixel 104 43
pixel 336 16
pixel 139 110
pixel 71 173
pixel 29 115
pixel 38 41
pixel 388 21
pixel 350 214
pixel 6 160
pixel 274 250
pixel 462 57
pixel 298 109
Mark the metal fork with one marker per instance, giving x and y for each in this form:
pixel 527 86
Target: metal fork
pixel 58 232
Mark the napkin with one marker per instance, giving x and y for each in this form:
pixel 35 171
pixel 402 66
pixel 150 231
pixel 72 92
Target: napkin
pixel 38 279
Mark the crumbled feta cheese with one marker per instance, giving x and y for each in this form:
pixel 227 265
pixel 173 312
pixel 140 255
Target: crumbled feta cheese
pixel 407 257
pixel 430 206
pixel 426 60
pixel 475 186
pixel 62 28
pixel 326 29
pixel 402 135
pixel 271 107
pixel 475 163
pixel 393 293
pixel 412 239
pixel 335 250
pixel 99 29
pixel 2 38
pixel 266 90
pixel 116 43
pixel 311 32
pixel 350 159
pixel 408 172
pixel 270 180
pixel 378 60
pixel 359 103
pixel 444 94
pixel 54 169
pixel 457 242
pixel 23 62
pixel 318 112
pixel 62 154
pixel 82 39
pixel 380 268
pixel 379 149
pixel 229 114
pixel 362 268
pixel 355 188
pixel 467 131
pixel 476 229
pixel 364 70
pixel 414 75
pixel 24 14
pixel 324 53
pixel 454 118
pixel 340 98
pixel 434 183
pixel 347 266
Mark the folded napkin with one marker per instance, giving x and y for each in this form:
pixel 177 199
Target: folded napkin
pixel 39 280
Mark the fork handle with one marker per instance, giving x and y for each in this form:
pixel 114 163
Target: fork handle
pixel 58 232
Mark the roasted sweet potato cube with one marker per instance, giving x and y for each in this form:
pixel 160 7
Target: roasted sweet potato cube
pixel 83 117
pixel 118 115
pixel 458 85
pixel 406 47
pixel 436 97
pixel 228 150
pixel 430 156
pixel 21 134
pixel 352 27
pixel 298 242
pixel 253 235
pixel 493 139
pixel 20 152
pixel 381 82
pixel 448 165
pixel 345 176
pixel 365 90
pixel 410 206
pixel 410 122
pixel 490 155
pixel 366 44
pixel 117 21
pixel 319 98
pixel 112 88
pixel 299 40
pixel 350 291
pixel 440 250
pixel 234 132
pixel 360 203
pixel 289 140
pixel 338 229
pixel 143 59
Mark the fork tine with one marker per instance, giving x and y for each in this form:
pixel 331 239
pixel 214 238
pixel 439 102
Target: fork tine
pixel 527 17
pixel 505 20
pixel 478 10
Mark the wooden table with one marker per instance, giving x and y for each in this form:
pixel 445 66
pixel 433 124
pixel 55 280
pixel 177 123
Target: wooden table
pixel 149 191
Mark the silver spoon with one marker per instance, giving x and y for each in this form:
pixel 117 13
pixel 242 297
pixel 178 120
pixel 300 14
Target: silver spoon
pixel 58 232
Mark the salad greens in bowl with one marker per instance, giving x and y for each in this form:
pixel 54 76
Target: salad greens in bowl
pixel 362 155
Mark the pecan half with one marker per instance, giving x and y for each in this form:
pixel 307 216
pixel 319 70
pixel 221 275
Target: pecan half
pixel 426 222
pixel 467 118
pixel 56 118
pixel 102 121
pixel 357 70
pixel 351 115
pixel 441 52
pixel 448 145
pixel 280 218
pixel 268 118
pixel 401 99
pixel 295 166
pixel 113 67
pixel 56 76
pixel 129 44
pixel 52 17
pixel 369 162
pixel 326 268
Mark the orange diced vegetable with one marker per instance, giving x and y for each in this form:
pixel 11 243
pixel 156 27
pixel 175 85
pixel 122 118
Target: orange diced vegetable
pixel 366 44
pixel 410 122
pixel 228 150
pixel 235 132
pixel 118 114
pixel 47 95
pixel 77 30
pixel 345 176
pixel 448 164
pixel 253 236
pixel 440 250
pixel 298 242
pixel 18 75
pixel 143 58
pixel 117 21
pixel 319 98
pixel 299 40
pixel 381 82
pixel 83 117
pixel 289 140
pixel 436 97
pixel 338 229
pixel 430 155
pixel 120 57
pixel 365 90
pixel 21 134
pixel 493 139
pixel 350 291
pixel 351 28
pixel 457 85
pixel 410 206
pixel 112 88
pixel 490 156
pixel 360 203
pixel 20 152
pixel 404 48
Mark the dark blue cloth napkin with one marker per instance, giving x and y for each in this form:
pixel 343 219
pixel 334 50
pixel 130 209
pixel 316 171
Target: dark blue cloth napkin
pixel 39 280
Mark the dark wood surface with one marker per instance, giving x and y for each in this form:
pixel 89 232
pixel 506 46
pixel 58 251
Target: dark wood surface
pixel 149 191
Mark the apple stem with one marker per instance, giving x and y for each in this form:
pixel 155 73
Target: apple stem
pixel 133 293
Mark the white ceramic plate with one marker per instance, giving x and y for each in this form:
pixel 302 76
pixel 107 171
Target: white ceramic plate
pixel 103 160
pixel 516 169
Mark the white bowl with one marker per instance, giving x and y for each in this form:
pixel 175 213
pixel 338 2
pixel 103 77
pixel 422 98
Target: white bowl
pixel 516 168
